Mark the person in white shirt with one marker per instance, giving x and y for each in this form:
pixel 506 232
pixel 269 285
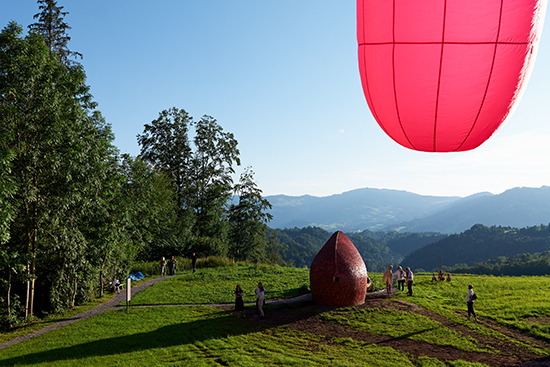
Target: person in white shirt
pixel 470 301
pixel 400 279
pixel 117 285
pixel 260 297
pixel 410 277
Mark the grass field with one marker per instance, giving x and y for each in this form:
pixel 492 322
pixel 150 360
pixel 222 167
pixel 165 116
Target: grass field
pixel 514 314
pixel 210 285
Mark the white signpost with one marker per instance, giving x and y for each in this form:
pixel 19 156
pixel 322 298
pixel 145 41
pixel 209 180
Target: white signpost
pixel 128 292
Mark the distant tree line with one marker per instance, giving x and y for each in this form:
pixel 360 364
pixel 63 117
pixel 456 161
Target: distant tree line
pixel 492 250
pixel 378 249
pixel 483 247
pixel 74 212
pixel 523 264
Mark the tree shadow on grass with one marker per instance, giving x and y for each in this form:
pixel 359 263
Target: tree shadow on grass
pixel 217 325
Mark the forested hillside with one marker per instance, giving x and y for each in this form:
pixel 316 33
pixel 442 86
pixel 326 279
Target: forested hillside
pixel 403 243
pixel 480 244
pixel 378 249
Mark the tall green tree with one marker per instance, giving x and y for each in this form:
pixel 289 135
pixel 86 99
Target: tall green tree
pixel 52 27
pixel 201 170
pixel 166 146
pixel 211 185
pixel 59 143
pixel 148 195
pixel 248 219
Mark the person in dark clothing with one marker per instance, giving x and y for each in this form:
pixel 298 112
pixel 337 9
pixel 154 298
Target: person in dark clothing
pixel 172 264
pixel 239 304
pixel 410 277
pixel 470 298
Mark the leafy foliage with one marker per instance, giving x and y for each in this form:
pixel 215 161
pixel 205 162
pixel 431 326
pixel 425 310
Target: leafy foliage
pixel 248 219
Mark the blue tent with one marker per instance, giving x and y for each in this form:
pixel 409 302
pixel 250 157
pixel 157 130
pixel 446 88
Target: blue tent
pixel 136 276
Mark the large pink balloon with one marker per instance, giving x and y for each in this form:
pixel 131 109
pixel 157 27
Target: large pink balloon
pixel 443 75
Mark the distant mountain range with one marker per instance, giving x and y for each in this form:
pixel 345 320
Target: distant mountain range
pixel 384 209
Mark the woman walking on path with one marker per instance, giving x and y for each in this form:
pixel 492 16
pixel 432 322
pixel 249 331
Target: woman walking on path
pixel 470 300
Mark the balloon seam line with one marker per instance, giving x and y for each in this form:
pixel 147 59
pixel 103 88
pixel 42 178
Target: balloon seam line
pixel 367 86
pixel 496 43
pixel 446 42
pixel 439 76
pixel 394 85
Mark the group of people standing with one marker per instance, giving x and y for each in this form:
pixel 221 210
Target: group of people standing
pixel 407 275
pixel 173 265
pixel 441 276
pixel 402 276
pixel 260 301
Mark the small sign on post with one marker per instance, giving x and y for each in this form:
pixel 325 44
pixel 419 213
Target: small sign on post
pixel 128 293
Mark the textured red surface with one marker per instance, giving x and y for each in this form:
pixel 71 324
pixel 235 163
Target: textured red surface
pixel 338 275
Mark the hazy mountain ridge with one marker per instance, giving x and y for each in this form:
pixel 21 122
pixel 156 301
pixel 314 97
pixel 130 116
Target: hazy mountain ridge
pixel 384 209
pixel 355 210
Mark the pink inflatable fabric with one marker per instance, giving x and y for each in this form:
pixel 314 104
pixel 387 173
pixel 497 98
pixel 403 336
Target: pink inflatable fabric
pixel 443 75
pixel 338 275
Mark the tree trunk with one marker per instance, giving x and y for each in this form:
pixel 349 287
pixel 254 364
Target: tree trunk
pixel 9 295
pixel 101 280
pixel 31 219
pixel 73 298
pixel 33 280
pixel 28 272
pixel 34 244
pixel 101 283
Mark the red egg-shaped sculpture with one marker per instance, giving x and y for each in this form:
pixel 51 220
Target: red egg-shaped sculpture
pixel 444 75
pixel 338 275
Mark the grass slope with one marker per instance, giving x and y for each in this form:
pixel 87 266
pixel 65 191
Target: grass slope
pixel 428 329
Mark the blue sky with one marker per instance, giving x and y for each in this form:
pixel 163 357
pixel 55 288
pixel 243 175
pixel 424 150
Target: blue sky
pixel 283 77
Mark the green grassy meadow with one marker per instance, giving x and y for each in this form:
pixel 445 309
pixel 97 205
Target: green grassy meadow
pixel 211 286
pixel 176 335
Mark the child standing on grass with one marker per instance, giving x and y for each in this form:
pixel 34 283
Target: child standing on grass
pixel 470 300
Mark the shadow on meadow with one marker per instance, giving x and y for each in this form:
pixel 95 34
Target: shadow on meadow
pixel 217 325
pixel 163 337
